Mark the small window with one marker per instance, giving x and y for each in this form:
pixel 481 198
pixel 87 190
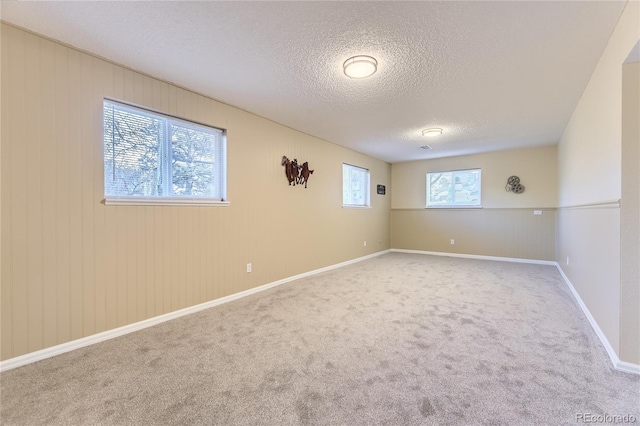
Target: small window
pixel 154 158
pixel 456 188
pixel 355 186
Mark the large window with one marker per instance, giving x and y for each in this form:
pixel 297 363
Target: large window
pixel 456 188
pixel 149 157
pixel 355 186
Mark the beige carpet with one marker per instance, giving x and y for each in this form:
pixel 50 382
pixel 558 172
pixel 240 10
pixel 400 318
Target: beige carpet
pixel 399 339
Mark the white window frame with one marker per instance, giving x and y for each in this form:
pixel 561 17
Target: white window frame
pixel 454 205
pixel 366 181
pixel 220 165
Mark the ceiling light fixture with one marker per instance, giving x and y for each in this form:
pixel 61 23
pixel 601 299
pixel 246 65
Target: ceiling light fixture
pixel 432 132
pixel 360 66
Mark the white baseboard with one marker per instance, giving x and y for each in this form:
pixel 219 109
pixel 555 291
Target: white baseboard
pixel 130 328
pixel 477 256
pixel 116 332
pixel 627 367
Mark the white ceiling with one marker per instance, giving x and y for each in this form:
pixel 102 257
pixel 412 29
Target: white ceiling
pixel 493 75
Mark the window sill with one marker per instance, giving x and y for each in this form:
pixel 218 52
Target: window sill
pixel 453 207
pixel 177 201
pixel 344 206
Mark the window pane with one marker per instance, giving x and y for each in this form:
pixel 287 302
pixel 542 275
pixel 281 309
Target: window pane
pixel 459 188
pixel 355 185
pixel 440 184
pixel 346 198
pixel 149 155
pixel 192 161
pixel 131 152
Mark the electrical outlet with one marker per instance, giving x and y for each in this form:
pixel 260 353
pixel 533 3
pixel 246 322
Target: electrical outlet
pixel 567 260
pixel 537 212
pixel 365 243
pixel 453 241
pixel 248 268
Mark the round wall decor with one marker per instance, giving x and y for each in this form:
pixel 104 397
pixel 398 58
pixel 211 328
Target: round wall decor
pixel 514 185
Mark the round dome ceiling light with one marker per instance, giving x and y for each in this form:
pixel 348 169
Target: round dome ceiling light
pixel 431 133
pixel 360 66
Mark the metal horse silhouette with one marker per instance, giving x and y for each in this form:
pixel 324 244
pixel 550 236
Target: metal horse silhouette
pixel 296 174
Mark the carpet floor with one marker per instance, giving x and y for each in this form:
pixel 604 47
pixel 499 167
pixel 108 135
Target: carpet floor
pixel 400 339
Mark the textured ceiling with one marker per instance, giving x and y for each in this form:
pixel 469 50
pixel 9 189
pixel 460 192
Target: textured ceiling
pixel 493 75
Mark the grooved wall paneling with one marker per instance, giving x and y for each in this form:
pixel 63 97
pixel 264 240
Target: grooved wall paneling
pixel 630 214
pixel 513 233
pixel 72 267
pixel 594 262
pixel 590 157
pixel 504 227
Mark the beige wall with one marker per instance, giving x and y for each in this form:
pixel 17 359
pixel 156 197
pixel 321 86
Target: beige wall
pixel 515 233
pixel 536 167
pixel 504 227
pixel 589 164
pixel 72 267
pixel 594 257
pixel 630 214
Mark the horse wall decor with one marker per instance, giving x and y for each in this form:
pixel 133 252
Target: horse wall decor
pixel 296 175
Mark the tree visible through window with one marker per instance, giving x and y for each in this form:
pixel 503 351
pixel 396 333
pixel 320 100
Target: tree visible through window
pixel 355 186
pixel 154 156
pixel 457 188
